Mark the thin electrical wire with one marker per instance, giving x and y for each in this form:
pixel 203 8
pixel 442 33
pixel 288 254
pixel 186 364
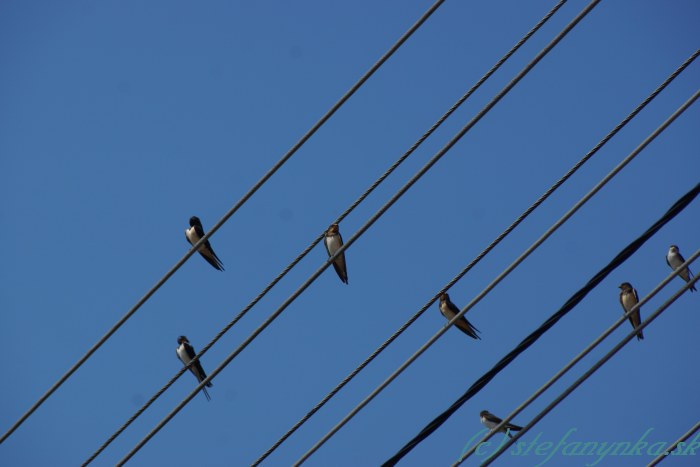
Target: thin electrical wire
pixel 388 172
pixel 476 260
pixel 230 213
pixel 592 370
pixel 367 225
pixel 663 456
pixel 540 331
pixel 681 204
pixel 577 359
pixel 509 269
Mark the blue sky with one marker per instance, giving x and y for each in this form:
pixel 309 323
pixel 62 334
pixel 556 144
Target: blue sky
pixel 120 120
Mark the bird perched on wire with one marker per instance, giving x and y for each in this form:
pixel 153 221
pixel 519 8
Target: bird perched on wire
pixel 333 241
pixel 628 299
pixel 675 259
pixel 193 234
pixel 185 352
pixel 490 421
pixel 449 310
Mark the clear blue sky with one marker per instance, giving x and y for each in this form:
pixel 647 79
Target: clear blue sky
pixel 120 120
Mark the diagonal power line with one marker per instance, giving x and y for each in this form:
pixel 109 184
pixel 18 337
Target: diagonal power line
pixel 592 370
pixel 476 260
pixel 680 440
pixel 484 380
pixel 226 217
pixel 578 358
pixel 301 256
pixel 507 88
pixel 535 335
pixel 366 226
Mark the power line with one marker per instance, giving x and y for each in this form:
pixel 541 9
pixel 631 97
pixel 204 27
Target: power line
pixel 687 435
pixel 552 320
pixel 592 370
pixel 577 359
pixel 476 260
pixel 563 311
pixel 388 172
pixel 575 299
pixel 230 213
pixel 366 226
pixel 484 380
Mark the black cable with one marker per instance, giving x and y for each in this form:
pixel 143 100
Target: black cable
pixel 503 274
pixel 478 258
pixel 580 356
pixel 551 321
pixel 228 215
pixel 591 370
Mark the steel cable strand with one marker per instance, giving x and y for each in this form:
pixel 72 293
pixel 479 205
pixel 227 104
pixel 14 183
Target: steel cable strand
pixel 578 358
pixel 592 370
pixel 551 321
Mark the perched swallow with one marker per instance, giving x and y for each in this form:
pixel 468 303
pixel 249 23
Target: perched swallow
pixel 675 259
pixel 628 299
pixel 193 234
pixel 333 242
pixel 185 352
pixel 449 310
pixel 490 421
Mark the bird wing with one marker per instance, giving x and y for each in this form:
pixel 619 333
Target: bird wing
pixel 339 263
pixel 208 254
pixel 466 327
